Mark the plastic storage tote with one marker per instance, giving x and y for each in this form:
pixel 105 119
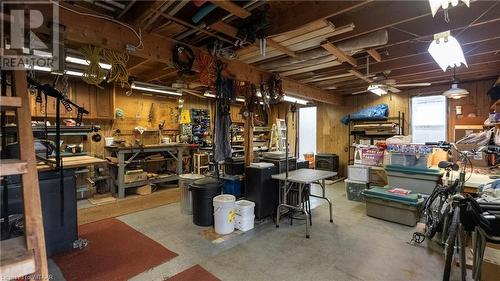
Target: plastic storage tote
pixel 409 160
pixel 354 190
pixel 402 209
pixel 417 180
pixel 358 173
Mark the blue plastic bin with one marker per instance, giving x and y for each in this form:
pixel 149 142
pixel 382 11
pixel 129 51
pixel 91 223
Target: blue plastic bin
pixel 233 185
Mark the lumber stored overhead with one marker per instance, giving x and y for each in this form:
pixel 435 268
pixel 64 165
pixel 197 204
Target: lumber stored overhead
pixel 106 34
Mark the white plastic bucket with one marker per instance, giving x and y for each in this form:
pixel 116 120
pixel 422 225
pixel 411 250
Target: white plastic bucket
pixel 165 140
pixel 109 141
pixel 244 208
pixel 224 213
pixel 244 223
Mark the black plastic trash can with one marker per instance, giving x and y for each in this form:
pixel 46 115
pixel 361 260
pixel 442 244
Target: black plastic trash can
pixel 203 192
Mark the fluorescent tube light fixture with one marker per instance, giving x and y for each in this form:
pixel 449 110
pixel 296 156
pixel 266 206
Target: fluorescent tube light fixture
pixel 74 73
pixel 208 95
pixel 446 51
pixel 85 62
pixel 147 87
pixel 294 100
pixel 445 4
pixel 377 89
pixel 240 99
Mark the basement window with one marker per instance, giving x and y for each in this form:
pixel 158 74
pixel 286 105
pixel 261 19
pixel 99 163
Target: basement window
pixel 307 130
pixel 428 119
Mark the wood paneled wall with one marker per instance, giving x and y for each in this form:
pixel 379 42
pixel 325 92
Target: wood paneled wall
pixel 475 107
pixel 332 136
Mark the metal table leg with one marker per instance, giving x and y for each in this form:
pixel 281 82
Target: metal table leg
pixel 299 207
pixel 121 175
pixel 323 196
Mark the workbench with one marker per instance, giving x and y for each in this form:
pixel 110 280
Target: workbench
pixel 473 181
pixel 72 162
pixel 127 155
pixel 301 178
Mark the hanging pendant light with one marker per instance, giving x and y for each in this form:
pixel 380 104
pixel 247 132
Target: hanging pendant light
pixel 446 51
pixel 436 4
pixel 455 92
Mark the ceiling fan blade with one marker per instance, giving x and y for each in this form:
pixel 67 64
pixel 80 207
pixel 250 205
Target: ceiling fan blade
pixel 393 89
pixel 359 92
pixel 413 85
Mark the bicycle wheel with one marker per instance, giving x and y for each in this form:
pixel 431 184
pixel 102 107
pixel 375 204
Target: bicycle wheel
pixel 461 248
pixel 434 217
pixel 450 243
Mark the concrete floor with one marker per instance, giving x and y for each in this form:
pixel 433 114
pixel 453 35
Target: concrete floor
pixel 353 247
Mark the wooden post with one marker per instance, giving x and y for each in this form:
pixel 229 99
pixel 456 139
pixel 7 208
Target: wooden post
pixel 248 133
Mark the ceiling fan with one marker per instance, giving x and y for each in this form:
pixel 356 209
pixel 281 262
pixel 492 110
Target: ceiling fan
pixel 381 85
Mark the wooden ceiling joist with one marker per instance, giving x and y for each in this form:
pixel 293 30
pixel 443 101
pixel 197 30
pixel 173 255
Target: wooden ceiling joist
pixel 232 8
pixel 103 33
pixel 360 75
pixel 310 68
pixel 280 47
pixel 374 54
pixel 323 78
pixel 283 19
pixel 341 55
pixel 300 42
pixel 232 32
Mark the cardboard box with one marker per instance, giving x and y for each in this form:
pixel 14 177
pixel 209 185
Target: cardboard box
pixel 133 176
pixel 378 176
pixel 490 268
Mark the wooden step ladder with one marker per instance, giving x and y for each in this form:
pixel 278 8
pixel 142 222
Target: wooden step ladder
pixel 26 255
pixel 281 133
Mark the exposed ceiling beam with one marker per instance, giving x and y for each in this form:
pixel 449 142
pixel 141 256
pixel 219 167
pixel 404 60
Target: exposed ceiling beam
pixel 285 17
pixel 341 55
pixel 99 32
pixel 136 65
pixel 374 54
pixel 409 54
pixel 280 47
pixel 310 68
pixel 232 8
pixel 157 74
pixel 328 77
pixel 360 75
pixel 232 32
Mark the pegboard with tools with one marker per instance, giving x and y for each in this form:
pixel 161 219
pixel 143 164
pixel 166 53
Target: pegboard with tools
pixel 200 120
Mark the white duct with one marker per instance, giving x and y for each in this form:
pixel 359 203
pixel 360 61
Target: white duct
pixel 350 46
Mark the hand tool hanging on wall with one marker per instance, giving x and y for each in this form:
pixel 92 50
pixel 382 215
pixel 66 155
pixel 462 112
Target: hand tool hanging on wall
pixel 183 58
pixel 275 87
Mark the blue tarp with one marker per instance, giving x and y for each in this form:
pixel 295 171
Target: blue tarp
pixel 377 112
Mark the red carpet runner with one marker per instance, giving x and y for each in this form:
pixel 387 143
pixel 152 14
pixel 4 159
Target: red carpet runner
pixel 115 252
pixel 194 273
